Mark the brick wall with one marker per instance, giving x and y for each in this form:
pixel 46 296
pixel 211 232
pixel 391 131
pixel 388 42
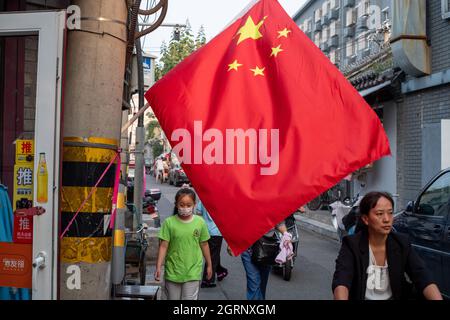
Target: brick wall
pixel 417 111
pixel 423 109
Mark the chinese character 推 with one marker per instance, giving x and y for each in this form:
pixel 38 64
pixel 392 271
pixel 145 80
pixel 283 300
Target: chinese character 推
pixel 24 223
pixel 26 147
pixel 24 176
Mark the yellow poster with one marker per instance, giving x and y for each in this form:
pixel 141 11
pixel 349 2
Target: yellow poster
pixel 24 151
pixel 23 185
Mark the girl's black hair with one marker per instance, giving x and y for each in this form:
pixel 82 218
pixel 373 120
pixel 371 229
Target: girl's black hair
pixel 181 193
pixel 370 201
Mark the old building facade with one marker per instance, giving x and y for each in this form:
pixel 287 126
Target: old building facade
pixel 370 41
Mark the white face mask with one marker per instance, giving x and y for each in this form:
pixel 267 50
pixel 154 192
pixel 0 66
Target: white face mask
pixel 184 212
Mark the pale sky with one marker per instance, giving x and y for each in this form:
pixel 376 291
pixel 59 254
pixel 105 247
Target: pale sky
pixel 214 15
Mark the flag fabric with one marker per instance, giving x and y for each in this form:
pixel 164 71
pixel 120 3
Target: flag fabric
pixel 263 123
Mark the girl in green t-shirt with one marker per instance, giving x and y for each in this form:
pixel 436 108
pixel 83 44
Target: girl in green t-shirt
pixel 183 241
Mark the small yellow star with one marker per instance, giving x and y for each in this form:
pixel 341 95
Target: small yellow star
pixel 257 71
pixel 234 66
pixel 284 33
pixel 276 51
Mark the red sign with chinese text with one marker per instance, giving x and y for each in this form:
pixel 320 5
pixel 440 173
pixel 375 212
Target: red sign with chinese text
pixel 15 265
pixel 23 229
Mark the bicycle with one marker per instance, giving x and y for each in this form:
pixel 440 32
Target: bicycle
pixel 136 248
pixel 331 195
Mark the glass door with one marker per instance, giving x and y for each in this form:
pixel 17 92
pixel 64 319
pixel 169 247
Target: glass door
pixel 31 55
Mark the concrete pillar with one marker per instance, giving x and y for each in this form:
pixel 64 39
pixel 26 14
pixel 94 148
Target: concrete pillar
pixel 92 111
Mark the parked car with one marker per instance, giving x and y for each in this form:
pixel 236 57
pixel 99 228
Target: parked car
pixel 177 176
pixel 427 222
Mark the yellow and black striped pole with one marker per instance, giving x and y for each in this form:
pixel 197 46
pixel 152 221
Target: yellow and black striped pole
pixel 87 243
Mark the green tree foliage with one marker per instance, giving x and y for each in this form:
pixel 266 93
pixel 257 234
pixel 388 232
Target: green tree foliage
pixel 200 40
pixel 172 54
pixel 177 50
pixel 151 129
pixel 157 149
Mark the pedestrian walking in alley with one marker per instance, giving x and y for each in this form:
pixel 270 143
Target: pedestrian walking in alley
pixel 257 274
pixel 372 263
pixel 166 170
pixel 215 247
pixel 183 240
pixel 159 169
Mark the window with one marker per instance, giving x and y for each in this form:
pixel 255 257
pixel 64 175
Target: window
pixel 385 14
pixel 301 26
pixel 325 7
pixel 350 17
pixel 325 34
pixel 350 49
pixel 306 26
pixel 362 9
pixel 445 5
pixel 333 56
pixel 435 200
pixel 333 4
pixel 317 15
pixel 334 28
pixel 317 39
pixel 362 43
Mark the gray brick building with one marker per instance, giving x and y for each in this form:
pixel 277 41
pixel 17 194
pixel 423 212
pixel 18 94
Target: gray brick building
pixel 371 42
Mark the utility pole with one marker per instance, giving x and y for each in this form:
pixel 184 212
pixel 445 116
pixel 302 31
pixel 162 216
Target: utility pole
pixel 92 121
pixel 97 55
pixel 140 140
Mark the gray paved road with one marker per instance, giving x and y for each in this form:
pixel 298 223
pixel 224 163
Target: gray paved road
pixel 311 277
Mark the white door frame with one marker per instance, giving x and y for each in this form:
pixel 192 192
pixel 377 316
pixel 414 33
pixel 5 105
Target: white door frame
pixel 50 27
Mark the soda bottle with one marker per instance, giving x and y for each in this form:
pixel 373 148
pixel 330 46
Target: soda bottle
pixel 42 180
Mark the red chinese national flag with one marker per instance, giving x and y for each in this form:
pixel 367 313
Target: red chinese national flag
pixel 264 123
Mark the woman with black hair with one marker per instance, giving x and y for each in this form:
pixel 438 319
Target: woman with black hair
pixel 372 263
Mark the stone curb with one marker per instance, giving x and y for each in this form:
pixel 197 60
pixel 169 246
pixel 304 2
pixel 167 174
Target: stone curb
pixel 321 228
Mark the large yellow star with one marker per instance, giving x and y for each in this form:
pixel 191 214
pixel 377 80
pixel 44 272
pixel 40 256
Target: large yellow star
pixel 250 30
pixel 257 71
pixel 234 66
pixel 284 33
pixel 276 51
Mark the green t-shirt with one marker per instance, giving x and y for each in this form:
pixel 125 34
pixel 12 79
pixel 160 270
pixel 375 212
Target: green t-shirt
pixel 184 259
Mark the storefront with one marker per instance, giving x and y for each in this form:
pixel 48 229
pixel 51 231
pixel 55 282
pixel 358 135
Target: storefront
pixel 31 64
